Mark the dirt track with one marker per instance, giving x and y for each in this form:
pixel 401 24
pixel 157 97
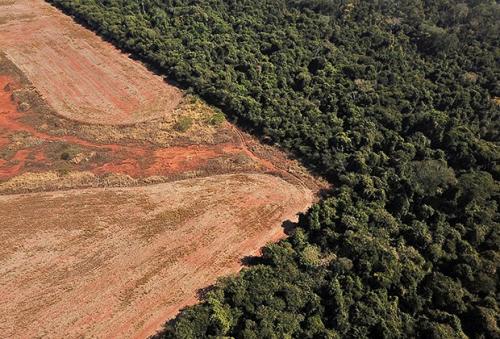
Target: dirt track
pixel 119 262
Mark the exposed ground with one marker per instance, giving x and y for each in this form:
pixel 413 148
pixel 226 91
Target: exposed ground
pixel 119 262
pixel 120 197
pixel 34 141
pixel 71 69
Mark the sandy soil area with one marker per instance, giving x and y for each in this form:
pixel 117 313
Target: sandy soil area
pixel 119 262
pixel 81 76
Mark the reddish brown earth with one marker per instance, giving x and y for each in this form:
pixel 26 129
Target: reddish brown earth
pixel 135 159
pixel 58 247
pixel 113 261
pixel 119 262
pixel 71 68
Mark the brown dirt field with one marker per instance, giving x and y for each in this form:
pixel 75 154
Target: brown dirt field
pixel 81 76
pixel 119 262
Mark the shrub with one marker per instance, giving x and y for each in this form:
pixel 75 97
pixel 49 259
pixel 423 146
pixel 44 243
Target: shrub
pixel 183 124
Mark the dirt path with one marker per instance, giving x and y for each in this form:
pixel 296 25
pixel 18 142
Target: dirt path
pixel 119 262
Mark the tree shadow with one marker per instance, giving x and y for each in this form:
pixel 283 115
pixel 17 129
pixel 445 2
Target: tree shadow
pixel 248 261
pixel 251 260
pixel 202 293
pixel 289 227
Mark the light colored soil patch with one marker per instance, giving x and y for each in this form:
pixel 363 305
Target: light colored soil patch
pixel 81 76
pixel 119 262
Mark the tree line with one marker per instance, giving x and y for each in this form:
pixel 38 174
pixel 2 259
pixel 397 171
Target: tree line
pixel 396 102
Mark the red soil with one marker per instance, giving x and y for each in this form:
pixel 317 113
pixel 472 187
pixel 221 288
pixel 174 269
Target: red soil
pixel 244 212
pixel 119 262
pixel 134 160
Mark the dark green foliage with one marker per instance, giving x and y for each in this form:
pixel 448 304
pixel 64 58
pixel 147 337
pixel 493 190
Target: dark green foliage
pixel 397 103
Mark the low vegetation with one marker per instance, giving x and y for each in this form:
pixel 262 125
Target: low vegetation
pixel 183 124
pixel 396 103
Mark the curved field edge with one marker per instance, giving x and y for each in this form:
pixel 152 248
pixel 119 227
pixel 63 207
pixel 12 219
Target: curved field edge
pixel 41 151
pixel 82 77
pixel 56 245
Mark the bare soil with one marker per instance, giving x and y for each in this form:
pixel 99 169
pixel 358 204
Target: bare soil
pixel 119 262
pixel 81 76
pixel 35 140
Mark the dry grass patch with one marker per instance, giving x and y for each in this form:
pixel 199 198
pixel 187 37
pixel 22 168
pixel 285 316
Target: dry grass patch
pixel 29 182
pixel 7 2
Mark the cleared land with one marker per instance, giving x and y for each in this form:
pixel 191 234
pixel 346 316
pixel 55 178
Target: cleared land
pixel 118 262
pixel 124 217
pixel 82 77
pixel 35 141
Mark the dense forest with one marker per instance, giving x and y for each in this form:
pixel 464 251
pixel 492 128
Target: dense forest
pixel 397 103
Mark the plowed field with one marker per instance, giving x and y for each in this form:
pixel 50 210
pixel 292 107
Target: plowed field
pixel 81 76
pixel 119 262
